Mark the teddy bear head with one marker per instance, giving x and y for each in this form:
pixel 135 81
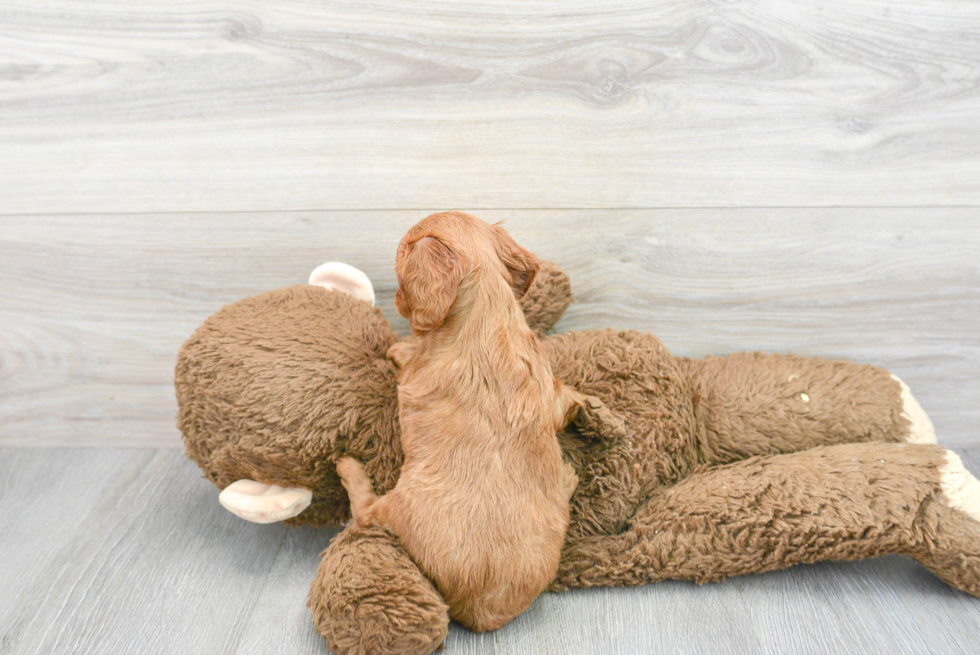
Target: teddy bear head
pixel 275 388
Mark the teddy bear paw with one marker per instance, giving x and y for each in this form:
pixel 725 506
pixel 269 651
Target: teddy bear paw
pixel 920 428
pixel 961 489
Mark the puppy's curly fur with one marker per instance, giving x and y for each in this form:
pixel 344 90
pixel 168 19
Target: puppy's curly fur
pixel 482 503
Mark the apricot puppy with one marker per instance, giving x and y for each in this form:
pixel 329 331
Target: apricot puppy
pixel 482 504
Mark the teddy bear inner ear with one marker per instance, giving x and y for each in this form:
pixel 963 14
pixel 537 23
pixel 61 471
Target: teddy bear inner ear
pixel 343 277
pixel 259 502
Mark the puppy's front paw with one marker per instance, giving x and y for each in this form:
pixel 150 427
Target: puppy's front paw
pixel 402 352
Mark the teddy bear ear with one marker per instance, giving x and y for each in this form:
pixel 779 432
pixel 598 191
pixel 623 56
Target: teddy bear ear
pixel 343 277
pixel 259 502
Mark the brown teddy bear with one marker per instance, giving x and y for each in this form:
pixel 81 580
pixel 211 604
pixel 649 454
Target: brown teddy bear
pixel 689 469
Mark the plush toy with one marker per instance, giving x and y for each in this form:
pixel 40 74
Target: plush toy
pixel 689 469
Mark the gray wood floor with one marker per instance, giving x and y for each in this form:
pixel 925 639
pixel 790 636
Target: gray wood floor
pixel 127 551
pixel 731 175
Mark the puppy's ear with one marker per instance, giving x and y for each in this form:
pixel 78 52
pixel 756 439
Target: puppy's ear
pixel 521 264
pixel 429 275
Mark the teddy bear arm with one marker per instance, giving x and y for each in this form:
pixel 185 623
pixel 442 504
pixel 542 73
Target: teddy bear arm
pixel 749 404
pixel 843 502
pixel 370 598
pixel 547 298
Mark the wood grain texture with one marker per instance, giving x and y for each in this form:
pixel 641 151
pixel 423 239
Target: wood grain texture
pixel 94 309
pixel 622 621
pixel 146 562
pixel 204 106
pixel 161 159
pixel 127 551
pixel 280 621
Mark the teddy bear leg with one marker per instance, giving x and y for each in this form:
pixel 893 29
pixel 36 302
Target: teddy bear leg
pixel 951 544
pixel 369 598
pixel 751 404
pixel 843 502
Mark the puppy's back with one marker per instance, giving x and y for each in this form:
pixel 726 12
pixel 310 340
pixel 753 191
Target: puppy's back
pixel 506 567
pixel 483 498
pixel 486 516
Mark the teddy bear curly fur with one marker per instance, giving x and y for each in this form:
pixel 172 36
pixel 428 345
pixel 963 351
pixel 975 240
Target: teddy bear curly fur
pixel 691 469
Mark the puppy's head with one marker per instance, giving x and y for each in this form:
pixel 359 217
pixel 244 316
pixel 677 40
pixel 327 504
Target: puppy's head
pixel 440 251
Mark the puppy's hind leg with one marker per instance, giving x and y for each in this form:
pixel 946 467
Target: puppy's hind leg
pixel 359 488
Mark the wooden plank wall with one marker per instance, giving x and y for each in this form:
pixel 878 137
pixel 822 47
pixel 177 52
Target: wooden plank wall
pixel 293 104
pixel 735 175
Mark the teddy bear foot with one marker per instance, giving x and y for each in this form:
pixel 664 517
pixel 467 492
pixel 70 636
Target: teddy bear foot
pixel 955 555
pixel 952 544
pixel 961 489
pixel 369 598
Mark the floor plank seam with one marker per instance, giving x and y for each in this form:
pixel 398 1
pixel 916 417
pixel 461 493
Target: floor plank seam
pixel 474 208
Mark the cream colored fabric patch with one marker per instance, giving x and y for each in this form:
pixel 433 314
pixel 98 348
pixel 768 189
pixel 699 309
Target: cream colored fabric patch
pixel 921 430
pixel 960 487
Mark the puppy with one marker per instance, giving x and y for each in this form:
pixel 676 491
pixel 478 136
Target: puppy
pixel 482 503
